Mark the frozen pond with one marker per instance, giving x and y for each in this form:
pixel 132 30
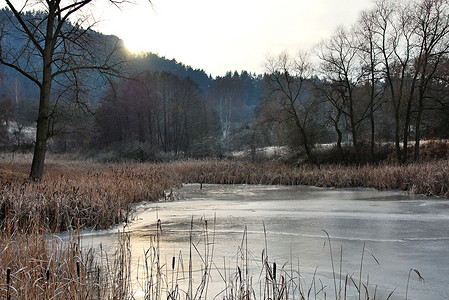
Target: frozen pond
pixel 399 230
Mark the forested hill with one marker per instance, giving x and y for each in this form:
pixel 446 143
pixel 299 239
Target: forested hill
pixel 12 38
pixel 155 63
pixel 148 62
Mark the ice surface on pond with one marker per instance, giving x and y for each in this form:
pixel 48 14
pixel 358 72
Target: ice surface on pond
pixel 399 230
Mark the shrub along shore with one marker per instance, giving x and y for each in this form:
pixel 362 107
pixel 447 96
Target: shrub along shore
pixel 79 194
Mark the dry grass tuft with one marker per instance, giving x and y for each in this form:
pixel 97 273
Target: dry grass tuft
pixel 7 175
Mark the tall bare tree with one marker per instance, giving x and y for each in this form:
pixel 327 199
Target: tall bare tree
pixel 56 44
pixel 432 36
pixel 394 30
pixel 369 56
pixel 287 88
pixel 340 63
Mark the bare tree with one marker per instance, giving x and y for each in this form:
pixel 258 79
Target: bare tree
pixel 56 44
pixel 413 42
pixel 286 87
pixel 329 92
pixel 393 28
pixel 340 63
pixel 370 62
pixel 432 36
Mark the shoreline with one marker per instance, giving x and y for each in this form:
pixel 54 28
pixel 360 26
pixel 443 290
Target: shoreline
pixel 78 194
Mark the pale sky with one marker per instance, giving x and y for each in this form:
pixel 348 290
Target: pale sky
pixel 220 36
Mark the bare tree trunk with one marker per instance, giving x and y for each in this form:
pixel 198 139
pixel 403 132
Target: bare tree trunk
pixel 397 139
pixel 418 123
pixel 406 131
pixel 40 148
pixel 408 117
pixel 372 138
pixel 371 102
pixel 339 134
pixel 372 96
pixel 305 138
pixel 355 141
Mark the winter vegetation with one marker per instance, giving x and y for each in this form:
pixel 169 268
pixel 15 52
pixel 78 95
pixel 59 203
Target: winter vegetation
pixel 369 107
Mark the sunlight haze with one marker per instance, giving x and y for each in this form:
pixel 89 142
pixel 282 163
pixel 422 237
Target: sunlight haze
pixel 220 36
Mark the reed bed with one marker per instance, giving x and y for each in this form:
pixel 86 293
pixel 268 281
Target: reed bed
pixel 426 178
pixel 79 194
pixel 41 266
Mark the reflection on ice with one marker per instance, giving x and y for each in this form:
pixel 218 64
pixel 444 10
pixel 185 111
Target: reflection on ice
pixel 287 222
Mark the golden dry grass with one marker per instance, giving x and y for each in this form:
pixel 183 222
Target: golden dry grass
pixel 77 194
pixel 427 178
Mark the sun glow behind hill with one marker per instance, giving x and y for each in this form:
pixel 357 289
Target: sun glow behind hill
pixel 219 36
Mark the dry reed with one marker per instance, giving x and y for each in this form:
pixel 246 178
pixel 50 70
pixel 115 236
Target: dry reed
pixel 77 194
